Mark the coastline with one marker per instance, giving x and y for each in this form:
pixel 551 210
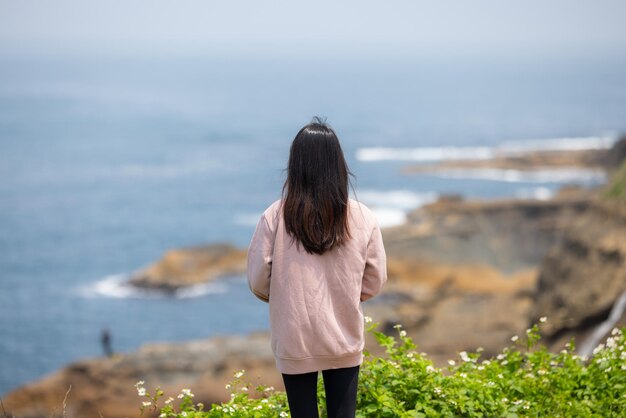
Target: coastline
pixel 433 292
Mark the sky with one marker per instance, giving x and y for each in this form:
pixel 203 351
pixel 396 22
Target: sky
pixel 285 26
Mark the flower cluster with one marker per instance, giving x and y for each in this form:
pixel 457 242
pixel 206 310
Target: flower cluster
pixel 525 379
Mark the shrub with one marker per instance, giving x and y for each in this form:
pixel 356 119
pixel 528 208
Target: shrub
pixel 524 380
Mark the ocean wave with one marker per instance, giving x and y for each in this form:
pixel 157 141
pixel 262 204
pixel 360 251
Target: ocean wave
pixel 538 193
pixel 423 154
pixel 390 207
pixel 434 154
pixel 560 175
pixel 116 286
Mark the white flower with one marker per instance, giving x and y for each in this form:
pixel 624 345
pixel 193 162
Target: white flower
pixel 541 372
pixel 500 356
pixel 140 383
pixel 227 386
pixel 146 403
pixel 264 401
pixel 430 369
pixel 269 388
pixel 514 338
pixel 367 319
pixel 481 367
pixel 169 400
pixel 486 362
pixel 244 389
pixel 163 415
pixel 239 374
pixel 258 407
pixel 141 391
pixel 451 362
pixel 480 349
pixel 186 392
pixel 409 355
pixel 500 376
pixel 505 400
pixel 599 348
pixel 397 326
pixel 184 413
pixel 543 319
pixel 505 362
pixel 463 375
pixel 464 356
pixel 403 333
pixel 283 414
pixel 614 331
pixel 437 391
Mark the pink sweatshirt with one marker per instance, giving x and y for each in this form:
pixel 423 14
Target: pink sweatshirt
pixel 316 318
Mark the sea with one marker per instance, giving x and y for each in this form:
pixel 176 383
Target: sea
pixel 108 161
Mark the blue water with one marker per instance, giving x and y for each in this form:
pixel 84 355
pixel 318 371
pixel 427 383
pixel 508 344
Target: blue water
pixel 107 162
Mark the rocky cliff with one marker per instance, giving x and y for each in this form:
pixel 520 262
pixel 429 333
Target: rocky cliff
pixel 582 277
pixel 509 235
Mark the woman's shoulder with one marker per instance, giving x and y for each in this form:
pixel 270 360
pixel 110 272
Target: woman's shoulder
pixel 361 212
pixel 273 210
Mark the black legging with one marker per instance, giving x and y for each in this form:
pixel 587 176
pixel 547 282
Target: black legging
pixel 340 386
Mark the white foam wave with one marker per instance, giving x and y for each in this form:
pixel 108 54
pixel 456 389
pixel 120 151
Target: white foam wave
pixel 424 154
pixel 561 175
pixel 116 286
pixel 559 144
pixel 400 199
pixel 390 207
pixel 389 217
pixel 434 154
pixel 538 193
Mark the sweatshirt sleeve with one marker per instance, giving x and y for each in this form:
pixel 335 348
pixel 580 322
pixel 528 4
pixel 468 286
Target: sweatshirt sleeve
pixel 375 274
pixel 260 260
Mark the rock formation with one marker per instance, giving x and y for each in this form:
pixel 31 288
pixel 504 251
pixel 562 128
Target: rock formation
pixel 582 277
pixel 188 266
pixel 105 386
pixel 510 234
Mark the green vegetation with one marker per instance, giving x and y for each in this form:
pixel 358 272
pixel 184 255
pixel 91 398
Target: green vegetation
pixel 616 188
pixel 525 380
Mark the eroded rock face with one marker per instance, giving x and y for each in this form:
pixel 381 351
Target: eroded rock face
pixel 188 266
pixel 509 235
pixel 581 278
pixel 106 385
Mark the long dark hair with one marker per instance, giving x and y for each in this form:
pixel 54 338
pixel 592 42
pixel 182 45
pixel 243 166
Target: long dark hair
pixel 315 194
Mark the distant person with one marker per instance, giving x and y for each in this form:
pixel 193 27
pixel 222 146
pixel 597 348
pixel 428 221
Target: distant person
pixel 105 339
pixel 314 257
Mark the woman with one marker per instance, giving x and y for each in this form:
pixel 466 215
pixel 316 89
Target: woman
pixel 315 255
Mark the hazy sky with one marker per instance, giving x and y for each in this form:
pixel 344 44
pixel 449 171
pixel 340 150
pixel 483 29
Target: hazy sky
pixel 283 25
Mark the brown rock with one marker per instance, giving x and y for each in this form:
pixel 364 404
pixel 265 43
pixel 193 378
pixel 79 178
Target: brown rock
pixel 189 266
pixel 581 278
pixel 509 235
pixel 106 385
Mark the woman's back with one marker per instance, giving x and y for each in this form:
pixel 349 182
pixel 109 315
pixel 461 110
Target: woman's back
pixel 316 319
